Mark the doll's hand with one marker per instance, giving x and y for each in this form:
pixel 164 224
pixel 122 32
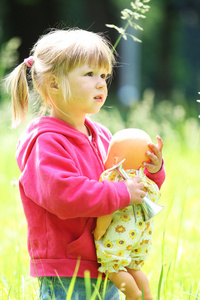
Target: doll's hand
pixel 155 157
pixel 135 187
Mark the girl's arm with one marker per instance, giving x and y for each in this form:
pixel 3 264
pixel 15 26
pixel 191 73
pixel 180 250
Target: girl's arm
pixel 102 225
pixel 53 180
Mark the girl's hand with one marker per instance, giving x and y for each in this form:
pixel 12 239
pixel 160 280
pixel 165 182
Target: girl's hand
pixel 155 157
pixel 135 187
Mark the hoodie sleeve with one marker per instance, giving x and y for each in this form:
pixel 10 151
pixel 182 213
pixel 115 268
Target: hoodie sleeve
pixel 53 180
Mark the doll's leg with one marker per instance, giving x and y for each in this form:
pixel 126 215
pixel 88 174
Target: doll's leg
pixel 142 282
pixel 125 282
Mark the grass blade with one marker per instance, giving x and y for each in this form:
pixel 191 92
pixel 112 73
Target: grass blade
pixel 72 283
pixel 160 283
pixel 166 280
pixel 87 284
pixel 96 293
pixel 197 294
pixel 104 286
pixel 97 288
pixel 142 292
pixel 190 291
pixel 178 236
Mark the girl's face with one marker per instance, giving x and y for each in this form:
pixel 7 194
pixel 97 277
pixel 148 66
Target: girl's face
pixel 88 89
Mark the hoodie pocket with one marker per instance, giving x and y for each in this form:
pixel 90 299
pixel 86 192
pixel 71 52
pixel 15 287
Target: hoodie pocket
pixel 84 246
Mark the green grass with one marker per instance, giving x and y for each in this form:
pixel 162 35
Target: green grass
pixel 173 265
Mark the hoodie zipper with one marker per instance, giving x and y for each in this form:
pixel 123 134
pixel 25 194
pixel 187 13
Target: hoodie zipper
pixel 96 149
pixel 94 146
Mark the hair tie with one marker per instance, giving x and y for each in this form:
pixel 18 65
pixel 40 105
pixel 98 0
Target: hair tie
pixel 29 61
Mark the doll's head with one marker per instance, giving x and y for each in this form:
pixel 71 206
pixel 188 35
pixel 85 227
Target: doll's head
pixel 131 144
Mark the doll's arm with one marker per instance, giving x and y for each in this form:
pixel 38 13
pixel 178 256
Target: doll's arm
pixel 102 225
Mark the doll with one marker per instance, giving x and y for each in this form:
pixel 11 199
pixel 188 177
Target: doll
pixel 123 243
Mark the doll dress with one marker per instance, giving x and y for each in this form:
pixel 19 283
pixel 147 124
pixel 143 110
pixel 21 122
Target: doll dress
pixel 127 243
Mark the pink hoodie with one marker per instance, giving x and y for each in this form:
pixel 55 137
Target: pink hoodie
pixel 62 195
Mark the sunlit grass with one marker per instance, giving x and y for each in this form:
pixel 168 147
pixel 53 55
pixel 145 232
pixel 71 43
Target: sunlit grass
pixel 175 252
pixel 173 265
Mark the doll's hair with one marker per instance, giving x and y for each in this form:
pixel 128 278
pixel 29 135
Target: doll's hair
pixel 56 53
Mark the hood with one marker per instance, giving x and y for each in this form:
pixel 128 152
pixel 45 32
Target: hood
pixel 46 124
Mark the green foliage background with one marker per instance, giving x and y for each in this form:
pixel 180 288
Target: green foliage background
pixel 170 48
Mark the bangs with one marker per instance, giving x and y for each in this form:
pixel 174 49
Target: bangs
pixel 95 51
pixel 99 59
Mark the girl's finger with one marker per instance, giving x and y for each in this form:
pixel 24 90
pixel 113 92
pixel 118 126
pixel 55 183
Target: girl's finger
pixel 157 149
pixel 153 157
pixel 159 143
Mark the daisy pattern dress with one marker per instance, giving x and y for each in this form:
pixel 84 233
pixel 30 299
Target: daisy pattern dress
pixel 127 243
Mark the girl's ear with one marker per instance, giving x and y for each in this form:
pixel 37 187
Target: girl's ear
pixel 53 84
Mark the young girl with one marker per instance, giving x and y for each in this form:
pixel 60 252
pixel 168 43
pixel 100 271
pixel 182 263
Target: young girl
pixel 61 158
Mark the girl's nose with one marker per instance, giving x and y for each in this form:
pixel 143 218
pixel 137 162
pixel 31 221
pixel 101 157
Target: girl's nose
pixel 101 83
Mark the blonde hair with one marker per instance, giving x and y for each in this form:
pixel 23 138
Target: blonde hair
pixel 57 53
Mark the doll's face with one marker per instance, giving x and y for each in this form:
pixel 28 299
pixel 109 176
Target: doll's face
pixel 131 144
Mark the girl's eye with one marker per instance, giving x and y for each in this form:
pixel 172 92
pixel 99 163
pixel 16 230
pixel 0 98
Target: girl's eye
pixel 104 76
pixel 89 74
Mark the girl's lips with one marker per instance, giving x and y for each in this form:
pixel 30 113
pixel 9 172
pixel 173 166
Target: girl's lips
pixel 99 98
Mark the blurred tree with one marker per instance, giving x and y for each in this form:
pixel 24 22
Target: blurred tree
pixel 30 18
pixel 170 47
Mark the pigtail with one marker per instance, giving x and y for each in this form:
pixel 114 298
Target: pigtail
pixel 17 84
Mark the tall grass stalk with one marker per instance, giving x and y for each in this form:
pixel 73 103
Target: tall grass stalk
pixel 137 11
pixel 97 288
pixel 160 282
pixel 72 283
pixel 178 239
pixel 104 287
pixel 197 294
pixel 163 251
pixel 87 285
pixel 121 34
